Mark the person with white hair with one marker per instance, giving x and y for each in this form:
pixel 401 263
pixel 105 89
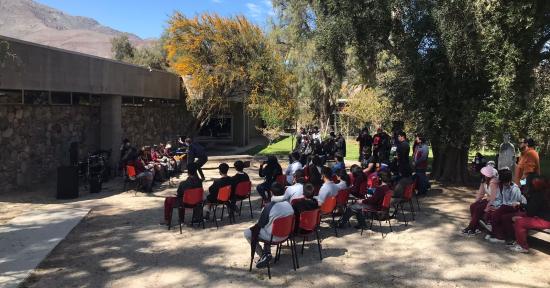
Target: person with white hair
pixel 485 197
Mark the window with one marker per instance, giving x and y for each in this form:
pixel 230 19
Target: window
pixel 81 99
pixel 36 97
pixel 95 100
pixel 10 97
pixel 127 101
pixel 60 98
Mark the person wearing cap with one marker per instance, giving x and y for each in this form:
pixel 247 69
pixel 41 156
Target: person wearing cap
pixel 529 162
pixel 485 197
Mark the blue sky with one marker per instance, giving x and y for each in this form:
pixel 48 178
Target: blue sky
pixel 147 18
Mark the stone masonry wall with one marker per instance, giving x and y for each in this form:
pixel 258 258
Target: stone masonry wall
pixel 35 140
pixel 148 125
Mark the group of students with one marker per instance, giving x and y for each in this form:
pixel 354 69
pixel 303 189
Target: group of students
pixel 194 181
pixel 309 142
pixel 503 209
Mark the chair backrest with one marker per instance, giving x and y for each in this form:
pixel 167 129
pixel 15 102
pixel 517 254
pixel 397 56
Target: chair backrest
pixel 408 192
pixel 295 200
pixel 351 178
pixel 224 193
pixel 335 179
pixel 373 180
pixel 387 200
pixel 243 188
pixel 281 179
pixel 329 205
pixel 342 197
pixel 309 220
pixel 282 227
pixel 130 171
pixel 193 196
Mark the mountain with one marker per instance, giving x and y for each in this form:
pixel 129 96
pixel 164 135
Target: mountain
pixel 31 21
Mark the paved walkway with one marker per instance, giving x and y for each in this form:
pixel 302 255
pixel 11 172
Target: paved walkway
pixel 26 240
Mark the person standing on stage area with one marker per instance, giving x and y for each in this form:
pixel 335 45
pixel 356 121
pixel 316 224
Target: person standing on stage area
pixel 196 154
pixel 365 143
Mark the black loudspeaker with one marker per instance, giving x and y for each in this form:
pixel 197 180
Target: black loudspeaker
pixel 67 182
pixel 73 154
pixel 95 184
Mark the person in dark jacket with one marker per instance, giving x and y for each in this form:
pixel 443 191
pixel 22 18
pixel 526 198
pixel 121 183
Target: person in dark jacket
pixel 358 178
pixel 314 171
pixel 239 177
pixel 269 170
pixel 374 202
pixel 307 203
pixel 365 144
pixel 192 181
pixel 225 180
pixel 341 145
pixel 196 154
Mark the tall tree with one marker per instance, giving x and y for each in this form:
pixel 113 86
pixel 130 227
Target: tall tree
pixel 228 58
pixel 122 48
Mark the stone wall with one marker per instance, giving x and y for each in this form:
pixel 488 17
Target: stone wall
pixel 148 125
pixel 35 140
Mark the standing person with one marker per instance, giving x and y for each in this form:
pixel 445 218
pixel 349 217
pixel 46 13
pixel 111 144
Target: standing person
pixel 294 166
pixel 316 135
pixel 192 181
pixel 403 164
pixel 507 154
pixel 299 137
pixel 263 229
pixel 196 152
pixel 341 145
pixel 269 170
pixel 529 162
pixel 420 162
pixel 365 143
pixel 381 145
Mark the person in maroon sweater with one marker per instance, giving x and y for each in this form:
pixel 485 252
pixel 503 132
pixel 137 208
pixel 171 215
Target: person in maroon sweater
pixel 144 175
pixel 375 202
pixel 358 178
pixel 192 181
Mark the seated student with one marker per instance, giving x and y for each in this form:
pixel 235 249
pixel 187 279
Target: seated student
pixel 314 170
pixel 508 199
pixel 329 189
pixel 375 201
pixel 143 172
pixel 262 229
pixel 225 180
pixel 339 165
pixel 241 176
pixel 343 178
pixel 306 203
pixel 269 170
pixel 294 165
pixel 536 216
pixel 484 198
pixel 192 181
pixel 358 178
pixel 294 191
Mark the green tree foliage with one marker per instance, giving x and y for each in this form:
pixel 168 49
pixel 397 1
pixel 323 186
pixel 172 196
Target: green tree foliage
pixel 122 48
pixel 152 56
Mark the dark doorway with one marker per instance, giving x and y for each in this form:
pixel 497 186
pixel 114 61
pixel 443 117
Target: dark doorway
pixel 219 127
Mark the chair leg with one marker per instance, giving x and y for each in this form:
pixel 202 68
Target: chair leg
pixel 403 213
pixel 170 219
pixel 292 253
pixel 417 202
pixel 250 206
pixel 412 208
pixel 179 217
pixel 251 260
pixel 215 216
pixel 223 210
pixel 295 252
pixel 303 243
pixel 334 224
pixel 240 208
pixel 389 223
pixel 319 244
pixel 268 270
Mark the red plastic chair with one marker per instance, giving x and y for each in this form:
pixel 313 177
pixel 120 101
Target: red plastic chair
pixel 191 198
pixel 363 188
pixel 309 224
pixel 381 214
pixel 373 180
pixel 243 191
pixel 295 200
pixel 406 198
pixel 328 208
pixel 281 228
pixel 415 194
pixel 342 199
pixel 281 179
pixel 351 178
pixel 223 199
pixel 130 178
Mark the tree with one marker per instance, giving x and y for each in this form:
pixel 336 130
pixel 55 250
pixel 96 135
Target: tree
pixel 223 59
pixel 122 48
pixel 368 106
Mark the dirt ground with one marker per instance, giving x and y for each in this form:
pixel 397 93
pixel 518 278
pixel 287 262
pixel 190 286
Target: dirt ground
pixel 121 244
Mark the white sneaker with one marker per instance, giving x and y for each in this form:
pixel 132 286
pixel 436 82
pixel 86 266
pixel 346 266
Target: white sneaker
pixel 518 248
pixel 487 237
pixel 495 240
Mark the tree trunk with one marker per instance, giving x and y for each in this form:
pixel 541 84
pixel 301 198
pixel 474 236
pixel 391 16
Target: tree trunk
pixel 450 163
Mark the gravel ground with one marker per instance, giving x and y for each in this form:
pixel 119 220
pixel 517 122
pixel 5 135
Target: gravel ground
pixel 121 244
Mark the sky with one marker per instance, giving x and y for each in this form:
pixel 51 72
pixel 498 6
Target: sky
pixel 148 18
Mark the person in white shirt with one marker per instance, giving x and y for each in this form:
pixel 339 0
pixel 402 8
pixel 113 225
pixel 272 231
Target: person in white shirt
pixel 262 229
pixel 329 189
pixel 295 191
pixel 293 167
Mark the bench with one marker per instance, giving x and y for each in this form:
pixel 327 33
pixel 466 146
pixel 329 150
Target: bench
pixel 543 235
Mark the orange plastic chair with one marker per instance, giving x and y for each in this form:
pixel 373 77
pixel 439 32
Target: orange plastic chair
pixel 309 224
pixel 243 191
pixel 130 177
pixel 281 228
pixel 328 208
pixel 223 199
pixel 381 214
pixel 406 198
pixel 191 199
